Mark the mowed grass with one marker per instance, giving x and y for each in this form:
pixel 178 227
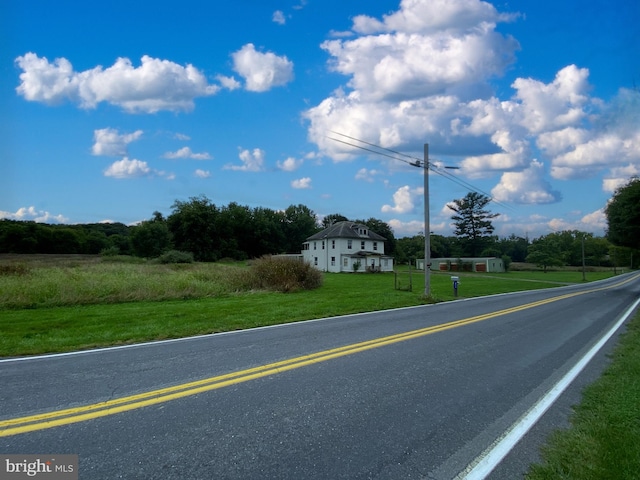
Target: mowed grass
pixel 603 442
pixel 63 303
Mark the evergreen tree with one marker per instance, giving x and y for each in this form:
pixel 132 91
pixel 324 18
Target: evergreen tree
pixel 472 222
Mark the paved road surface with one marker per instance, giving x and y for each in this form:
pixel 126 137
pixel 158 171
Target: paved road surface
pixel 416 393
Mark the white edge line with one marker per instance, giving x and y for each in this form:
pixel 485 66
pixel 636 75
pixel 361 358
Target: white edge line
pixel 280 325
pixel 484 464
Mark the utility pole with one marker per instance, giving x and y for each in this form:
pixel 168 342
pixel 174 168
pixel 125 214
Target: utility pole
pixel 584 277
pixel 427 226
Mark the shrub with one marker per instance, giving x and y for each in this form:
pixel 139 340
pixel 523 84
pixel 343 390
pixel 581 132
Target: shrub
pixel 110 251
pixel 176 256
pixel 285 274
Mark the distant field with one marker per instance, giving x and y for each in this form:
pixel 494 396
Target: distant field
pixel 69 302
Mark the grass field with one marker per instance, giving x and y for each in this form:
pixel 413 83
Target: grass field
pixel 63 303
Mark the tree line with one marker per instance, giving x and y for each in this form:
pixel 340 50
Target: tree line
pixel 210 232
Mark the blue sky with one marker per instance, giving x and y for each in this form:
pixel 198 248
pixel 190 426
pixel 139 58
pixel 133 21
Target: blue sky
pixel 112 111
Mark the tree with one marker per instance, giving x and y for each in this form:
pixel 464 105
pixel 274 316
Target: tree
pixel 623 215
pixel 383 229
pixel 545 252
pixel 332 218
pixel 193 226
pixel 299 224
pixel 472 221
pixel 408 249
pixel 514 247
pixel 151 239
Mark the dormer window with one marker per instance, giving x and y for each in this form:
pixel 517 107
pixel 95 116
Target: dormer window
pixel 362 231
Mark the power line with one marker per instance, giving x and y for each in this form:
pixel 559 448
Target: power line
pixel 417 162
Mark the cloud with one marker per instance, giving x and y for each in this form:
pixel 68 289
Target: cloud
pixel 367 175
pixel 554 105
pixel 424 73
pixel 261 71
pixel 185 152
pixel 406 229
pixel 423 49
pixel 403 200
pixel 278 17
pixel 290 164
pixel 417 16
pixel 202 173
pixel 619 176
pixel 153 86
pixel 252 161
pixel 526 187
pixel 301 183
pixel 108 142
pixel 126 168
pixel 30 213
pixel 229 83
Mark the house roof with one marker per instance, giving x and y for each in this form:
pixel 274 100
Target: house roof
pixel 346 229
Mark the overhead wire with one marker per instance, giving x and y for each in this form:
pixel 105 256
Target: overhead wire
pixel 417 162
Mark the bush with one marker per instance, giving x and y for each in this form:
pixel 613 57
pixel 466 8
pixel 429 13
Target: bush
pixel 176 256
pixel 285 274
pixel 110 251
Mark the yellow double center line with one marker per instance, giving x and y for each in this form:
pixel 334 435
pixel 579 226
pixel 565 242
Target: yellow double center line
pixel 67 416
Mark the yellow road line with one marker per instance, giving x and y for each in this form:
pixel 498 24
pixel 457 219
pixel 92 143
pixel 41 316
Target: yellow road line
pixel 57 418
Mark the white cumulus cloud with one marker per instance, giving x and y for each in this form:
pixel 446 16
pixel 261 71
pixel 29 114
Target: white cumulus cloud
pixel 301 183
pixel 32 214
pixel 526 187
pixel 108 142
pixel 252 161
pixel 403 200
pixel 290 164
pixel 278 17
pixel 367 175
pixel 152 86
pixel 424 73
pixel 133 168
pixel 185 152
pixel 202 173
pixel 262 71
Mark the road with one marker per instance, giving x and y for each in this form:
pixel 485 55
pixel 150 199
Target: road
pixel 415 393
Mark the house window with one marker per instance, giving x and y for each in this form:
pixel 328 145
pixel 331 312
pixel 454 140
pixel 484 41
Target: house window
pixel 323 244
pixel 362 245
pixel 315 261
pixel 333 261
pixel 333 244
pixel 349 242
pixel 315 245
pixel 345 262
pixel 375 245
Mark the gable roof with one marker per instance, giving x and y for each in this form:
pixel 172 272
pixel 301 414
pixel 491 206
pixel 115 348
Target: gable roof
pixel 346 229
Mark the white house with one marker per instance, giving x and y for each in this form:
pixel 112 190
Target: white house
pixel 347 247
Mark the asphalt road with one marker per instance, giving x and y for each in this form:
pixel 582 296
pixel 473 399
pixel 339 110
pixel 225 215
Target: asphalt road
pixel 416 393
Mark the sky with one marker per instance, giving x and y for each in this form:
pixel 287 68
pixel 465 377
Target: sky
pixel 111 111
